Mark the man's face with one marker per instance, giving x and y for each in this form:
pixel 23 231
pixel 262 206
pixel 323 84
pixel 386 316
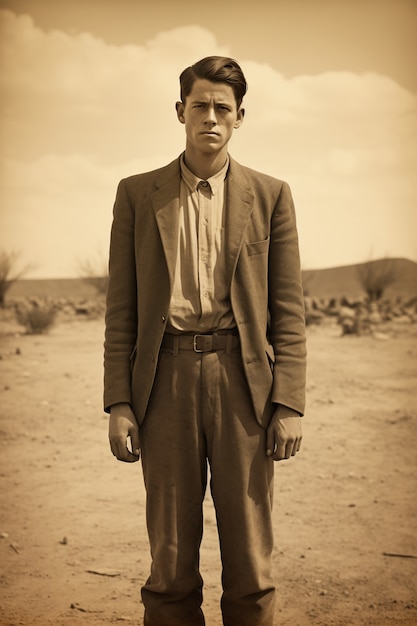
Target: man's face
pixel 210 115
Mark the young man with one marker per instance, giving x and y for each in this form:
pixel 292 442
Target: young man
pixel 205 353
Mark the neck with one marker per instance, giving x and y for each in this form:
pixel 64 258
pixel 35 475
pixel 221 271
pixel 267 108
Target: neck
pixel 205 165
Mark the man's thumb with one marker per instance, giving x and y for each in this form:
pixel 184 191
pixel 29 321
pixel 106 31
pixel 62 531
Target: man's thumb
pixel 270 442
pixel 134 437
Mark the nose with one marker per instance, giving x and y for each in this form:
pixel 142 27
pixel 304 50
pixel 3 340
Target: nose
pixel 211 119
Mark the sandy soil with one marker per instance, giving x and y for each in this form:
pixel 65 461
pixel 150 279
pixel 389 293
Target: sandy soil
pixel 73 547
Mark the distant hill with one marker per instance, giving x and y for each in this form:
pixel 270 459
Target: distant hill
pixel 71 288
pixel 333 282
pixel 342 281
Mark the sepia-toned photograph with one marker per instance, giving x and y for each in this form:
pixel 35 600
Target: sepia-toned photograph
pixel 208 313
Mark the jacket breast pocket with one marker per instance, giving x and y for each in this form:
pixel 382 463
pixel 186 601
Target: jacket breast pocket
pixel 258 247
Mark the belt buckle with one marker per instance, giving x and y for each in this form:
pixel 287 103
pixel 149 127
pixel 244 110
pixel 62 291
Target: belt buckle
pixel 195 339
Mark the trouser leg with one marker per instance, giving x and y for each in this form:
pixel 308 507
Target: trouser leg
pixel 200 406
pixel 241 484
pixel 175 474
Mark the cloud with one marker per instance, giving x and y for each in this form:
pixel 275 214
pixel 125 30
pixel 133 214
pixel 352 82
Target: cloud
pixel 347 145
pixel 78 94
pixel 78 114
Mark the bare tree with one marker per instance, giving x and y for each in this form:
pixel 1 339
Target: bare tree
pixel 9 273
pixel 94 273
pixel 376 276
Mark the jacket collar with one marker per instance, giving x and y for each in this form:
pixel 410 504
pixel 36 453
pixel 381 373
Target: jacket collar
pixel 165 202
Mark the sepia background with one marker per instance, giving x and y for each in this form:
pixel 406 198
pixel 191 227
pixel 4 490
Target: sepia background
pixel 88 89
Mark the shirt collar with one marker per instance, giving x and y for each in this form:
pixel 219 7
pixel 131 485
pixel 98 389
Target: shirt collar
pixel 192 180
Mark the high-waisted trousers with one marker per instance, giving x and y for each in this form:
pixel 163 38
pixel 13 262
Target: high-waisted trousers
pixel 200 413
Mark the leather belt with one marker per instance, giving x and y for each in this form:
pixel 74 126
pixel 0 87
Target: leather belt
pixel 210 342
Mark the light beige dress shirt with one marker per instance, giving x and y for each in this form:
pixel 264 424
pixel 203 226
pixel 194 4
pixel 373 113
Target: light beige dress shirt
pixel 200 299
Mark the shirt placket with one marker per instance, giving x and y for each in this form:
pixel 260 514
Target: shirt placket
pixel 205 249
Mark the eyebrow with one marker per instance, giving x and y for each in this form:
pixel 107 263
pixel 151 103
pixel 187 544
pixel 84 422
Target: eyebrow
pixel 222 102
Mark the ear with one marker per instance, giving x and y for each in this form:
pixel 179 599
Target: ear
pixel 180 111
pixel 240 116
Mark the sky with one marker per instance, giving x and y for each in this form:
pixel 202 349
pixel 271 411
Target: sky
pixel 87 97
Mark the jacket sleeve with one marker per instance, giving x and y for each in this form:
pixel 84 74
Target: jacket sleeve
pixel 286 306
pixel 121 309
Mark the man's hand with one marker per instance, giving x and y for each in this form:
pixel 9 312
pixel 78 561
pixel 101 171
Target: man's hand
pixel 284 434
pixel 122 424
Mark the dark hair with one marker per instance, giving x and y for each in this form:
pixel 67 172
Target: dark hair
pixel 218 70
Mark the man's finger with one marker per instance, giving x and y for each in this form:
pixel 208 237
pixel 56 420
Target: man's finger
pixel 122 452
pixel 280 451
pixel 135 444
pixel 290 449
pixel 127 457
pixel 287 449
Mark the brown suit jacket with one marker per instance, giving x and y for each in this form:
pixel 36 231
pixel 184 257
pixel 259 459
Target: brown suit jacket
pixel 265 286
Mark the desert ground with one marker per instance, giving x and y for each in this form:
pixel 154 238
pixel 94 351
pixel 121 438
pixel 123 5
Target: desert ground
pixel 73 545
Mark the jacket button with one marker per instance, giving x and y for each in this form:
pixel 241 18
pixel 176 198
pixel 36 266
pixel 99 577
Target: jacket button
pixel 163 318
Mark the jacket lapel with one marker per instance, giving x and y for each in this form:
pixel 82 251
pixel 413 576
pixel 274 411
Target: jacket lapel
pixel 239 205
pixel 165 202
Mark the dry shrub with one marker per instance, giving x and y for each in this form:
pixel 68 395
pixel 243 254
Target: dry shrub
pixel 36 317
pixel 376 276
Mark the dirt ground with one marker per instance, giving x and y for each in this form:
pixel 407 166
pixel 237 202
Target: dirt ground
pixel 73 546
